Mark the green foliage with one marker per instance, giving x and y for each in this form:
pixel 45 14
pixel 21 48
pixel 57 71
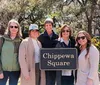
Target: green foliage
pixel 99 68
pixel 35 11
pixel 56 14
pixel 96 42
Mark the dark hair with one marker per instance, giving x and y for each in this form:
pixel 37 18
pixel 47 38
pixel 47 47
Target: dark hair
pixel 88 37
pixel 63 27
pixel 30 32
pixel 48 22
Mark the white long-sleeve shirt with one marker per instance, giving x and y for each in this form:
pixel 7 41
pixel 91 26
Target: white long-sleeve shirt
pixel 37 50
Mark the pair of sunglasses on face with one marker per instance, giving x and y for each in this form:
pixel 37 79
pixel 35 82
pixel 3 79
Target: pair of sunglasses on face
pixel 82 37
pixel 14 27
pixel 66 31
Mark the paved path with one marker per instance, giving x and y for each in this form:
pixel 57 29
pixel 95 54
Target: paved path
pixel 19 81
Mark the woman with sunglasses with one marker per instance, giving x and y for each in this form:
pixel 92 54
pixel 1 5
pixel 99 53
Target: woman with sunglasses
pixel 88 60
pixel 9 46
pixel 65 41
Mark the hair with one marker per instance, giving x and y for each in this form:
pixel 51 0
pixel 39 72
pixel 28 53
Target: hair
pixel 88 37
pixel 48 22
pixel 63 27
pixel 31 30
pixel 19 34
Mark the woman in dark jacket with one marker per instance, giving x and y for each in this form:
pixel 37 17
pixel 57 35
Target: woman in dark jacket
pixel 65 41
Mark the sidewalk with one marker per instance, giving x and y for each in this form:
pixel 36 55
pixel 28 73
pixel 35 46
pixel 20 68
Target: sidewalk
pixel 19 80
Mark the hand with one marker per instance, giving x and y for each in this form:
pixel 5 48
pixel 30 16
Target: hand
pixel 27 78
pixel 89 81
pixel 1 76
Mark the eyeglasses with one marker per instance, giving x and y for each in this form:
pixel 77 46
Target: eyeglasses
pixel 66 31
pixel 82 37
pixel 14 27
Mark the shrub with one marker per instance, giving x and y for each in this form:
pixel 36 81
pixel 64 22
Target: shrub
pixel 96 42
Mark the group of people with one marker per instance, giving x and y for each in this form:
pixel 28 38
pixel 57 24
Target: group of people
pixel 20 58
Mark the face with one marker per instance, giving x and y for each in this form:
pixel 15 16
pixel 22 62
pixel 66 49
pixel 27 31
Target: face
pixel 82 39
pixel 48 27
pixel 66 32
pixel 13 27
pixel 34 34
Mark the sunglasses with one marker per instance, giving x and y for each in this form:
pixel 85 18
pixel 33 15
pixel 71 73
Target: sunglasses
pixel 65 30
pixel 14 27
pixel 82 37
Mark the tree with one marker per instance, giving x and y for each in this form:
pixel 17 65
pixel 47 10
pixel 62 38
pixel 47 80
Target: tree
pixel 88 8
pixel 14 9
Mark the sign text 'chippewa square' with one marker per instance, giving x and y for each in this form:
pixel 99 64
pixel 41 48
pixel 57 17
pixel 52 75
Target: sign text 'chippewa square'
pixel 58 58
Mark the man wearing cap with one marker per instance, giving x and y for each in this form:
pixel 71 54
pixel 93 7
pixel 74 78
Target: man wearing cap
pixel 29 58
pixel 49 40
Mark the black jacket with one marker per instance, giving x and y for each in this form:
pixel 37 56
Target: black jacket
pixel 48 42
pixel 61 44
pixel 71 44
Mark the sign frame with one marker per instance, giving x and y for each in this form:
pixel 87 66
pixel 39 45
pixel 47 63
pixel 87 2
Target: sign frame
pixel 60 49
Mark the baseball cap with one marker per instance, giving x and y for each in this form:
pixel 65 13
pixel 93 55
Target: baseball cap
pixel 33 27
pixel 48 20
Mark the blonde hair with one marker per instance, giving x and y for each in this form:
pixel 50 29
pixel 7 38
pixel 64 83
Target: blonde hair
pixel 19 34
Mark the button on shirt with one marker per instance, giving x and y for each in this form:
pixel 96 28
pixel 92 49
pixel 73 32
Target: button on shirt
pixel 37 50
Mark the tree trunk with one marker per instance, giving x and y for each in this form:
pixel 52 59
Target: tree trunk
pixel 90 27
